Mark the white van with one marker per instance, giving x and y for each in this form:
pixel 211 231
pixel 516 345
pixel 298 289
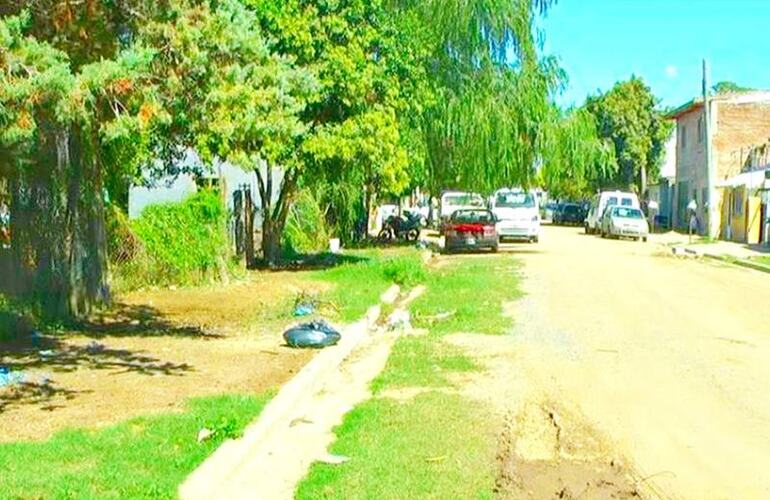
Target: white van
pixel 518 214
pixel 605 199
pixel 452 201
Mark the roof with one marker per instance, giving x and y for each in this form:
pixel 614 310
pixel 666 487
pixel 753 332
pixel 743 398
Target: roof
pixel 752 180
pixel 754 96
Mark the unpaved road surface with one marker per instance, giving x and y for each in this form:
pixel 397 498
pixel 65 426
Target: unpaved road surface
pixel 668 360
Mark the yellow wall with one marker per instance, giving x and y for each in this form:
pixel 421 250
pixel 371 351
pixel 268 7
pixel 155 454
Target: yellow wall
pixel 746 227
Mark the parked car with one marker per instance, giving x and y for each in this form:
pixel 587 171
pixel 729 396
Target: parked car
pixel 452 201
pixel 549 210
pixel 569 213
pixel 599 205
pixel 517 215
pixel 471 230
pixel 624 222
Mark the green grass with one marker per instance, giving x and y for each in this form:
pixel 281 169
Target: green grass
pixel 422 362
pixel 435 446
pixel 359 285
pixel 474 289
pixel 144 457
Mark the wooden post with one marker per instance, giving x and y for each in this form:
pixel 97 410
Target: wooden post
pixel 248 218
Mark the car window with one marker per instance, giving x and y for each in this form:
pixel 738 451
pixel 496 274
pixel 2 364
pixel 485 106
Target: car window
pixel 472 216
pixel 463 200
pixel 515 200
pixel 626 202
pixel 627 213
pixel 612 200
pixel 571 209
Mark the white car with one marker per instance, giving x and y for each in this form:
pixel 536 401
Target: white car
pixel 601 202
pixel 518 215
pixel 452 201
pixel 625 222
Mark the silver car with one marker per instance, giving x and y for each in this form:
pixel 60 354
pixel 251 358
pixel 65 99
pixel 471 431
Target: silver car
pixel 624 222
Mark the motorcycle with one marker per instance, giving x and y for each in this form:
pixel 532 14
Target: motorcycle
pixel 403 227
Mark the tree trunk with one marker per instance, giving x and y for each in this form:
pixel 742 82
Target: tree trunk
pixel 274 214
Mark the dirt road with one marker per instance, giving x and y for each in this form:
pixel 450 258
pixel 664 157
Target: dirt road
pixel 666 358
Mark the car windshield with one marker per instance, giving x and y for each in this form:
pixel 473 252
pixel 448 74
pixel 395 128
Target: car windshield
pixel 626 202
pixel 627 213
pixel 612 200
pixel 468 200
pixel 473 216
pixel 571 209
pixel 515 200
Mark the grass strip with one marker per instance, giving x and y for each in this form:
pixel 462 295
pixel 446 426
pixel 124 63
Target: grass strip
pixel 434 446
pixel 146 457
pixel 472 291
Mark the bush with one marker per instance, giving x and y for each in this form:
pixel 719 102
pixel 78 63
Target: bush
pixel 180 243
pixel 405 270
pixel 306 231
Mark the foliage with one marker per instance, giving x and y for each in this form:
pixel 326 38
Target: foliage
pixel 576 161
pixel 727 87
pixel 306 230
pixel 629 116
pixel 145 457
pixel 182 243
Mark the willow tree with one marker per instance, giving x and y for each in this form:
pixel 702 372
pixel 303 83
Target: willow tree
pixel 489 122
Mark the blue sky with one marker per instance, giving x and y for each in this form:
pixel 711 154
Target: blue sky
pixel 599 42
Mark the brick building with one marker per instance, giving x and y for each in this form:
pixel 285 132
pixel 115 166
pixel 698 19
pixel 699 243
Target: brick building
pixel 739 122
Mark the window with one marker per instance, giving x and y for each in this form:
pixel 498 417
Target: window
pixel 738 202
pixel 515 200
pixel 683 136
pixel 627 202
pixel 701 130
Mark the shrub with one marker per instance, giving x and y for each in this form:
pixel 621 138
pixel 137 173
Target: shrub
pixel 405 270
pixel 306 231
pixel 179 243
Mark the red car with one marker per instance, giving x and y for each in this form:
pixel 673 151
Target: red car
pixel 471 229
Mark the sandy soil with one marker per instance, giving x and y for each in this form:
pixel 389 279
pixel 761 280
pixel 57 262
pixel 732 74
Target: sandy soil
pixel 154 352
pixel 664 359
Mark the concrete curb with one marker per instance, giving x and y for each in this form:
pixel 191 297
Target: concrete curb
pixel 725 259
pixel 227 461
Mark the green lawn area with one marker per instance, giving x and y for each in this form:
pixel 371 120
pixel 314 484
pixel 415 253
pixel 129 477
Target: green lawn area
pixel 763 260
pixel 145 457
pixel 438 444
pixel 435 446
pixel 359 283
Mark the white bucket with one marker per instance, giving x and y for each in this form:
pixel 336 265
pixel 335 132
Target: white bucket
pixel 334 245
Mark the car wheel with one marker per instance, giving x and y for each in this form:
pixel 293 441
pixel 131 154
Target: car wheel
pixel 494 249
pixel 385 236
pixel 644 239
pixel 413 235
pixel 536 239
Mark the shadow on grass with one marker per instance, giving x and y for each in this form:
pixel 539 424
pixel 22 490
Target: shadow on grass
pixel 316 262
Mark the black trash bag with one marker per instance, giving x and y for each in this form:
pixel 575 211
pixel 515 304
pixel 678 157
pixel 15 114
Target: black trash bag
pixel 316 335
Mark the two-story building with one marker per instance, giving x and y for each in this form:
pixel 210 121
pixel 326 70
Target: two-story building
pixel 739 122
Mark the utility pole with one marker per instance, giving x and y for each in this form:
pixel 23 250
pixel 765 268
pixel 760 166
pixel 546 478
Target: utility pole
pixel 710 201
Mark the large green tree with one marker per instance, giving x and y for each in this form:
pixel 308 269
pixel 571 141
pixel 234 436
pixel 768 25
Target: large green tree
pixel 629 115
pixel 57 121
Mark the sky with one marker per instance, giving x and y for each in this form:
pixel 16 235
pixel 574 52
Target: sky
pixel 599 42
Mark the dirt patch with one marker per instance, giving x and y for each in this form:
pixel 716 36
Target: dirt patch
pixel 152 354
pixel 544 450
pixel 544 455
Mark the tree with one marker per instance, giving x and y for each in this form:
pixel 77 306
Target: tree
pixel 57 121
pixel 727 87
pixel 629 116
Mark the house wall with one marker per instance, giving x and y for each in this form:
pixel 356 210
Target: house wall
pixel 691 175
pixel 739 127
